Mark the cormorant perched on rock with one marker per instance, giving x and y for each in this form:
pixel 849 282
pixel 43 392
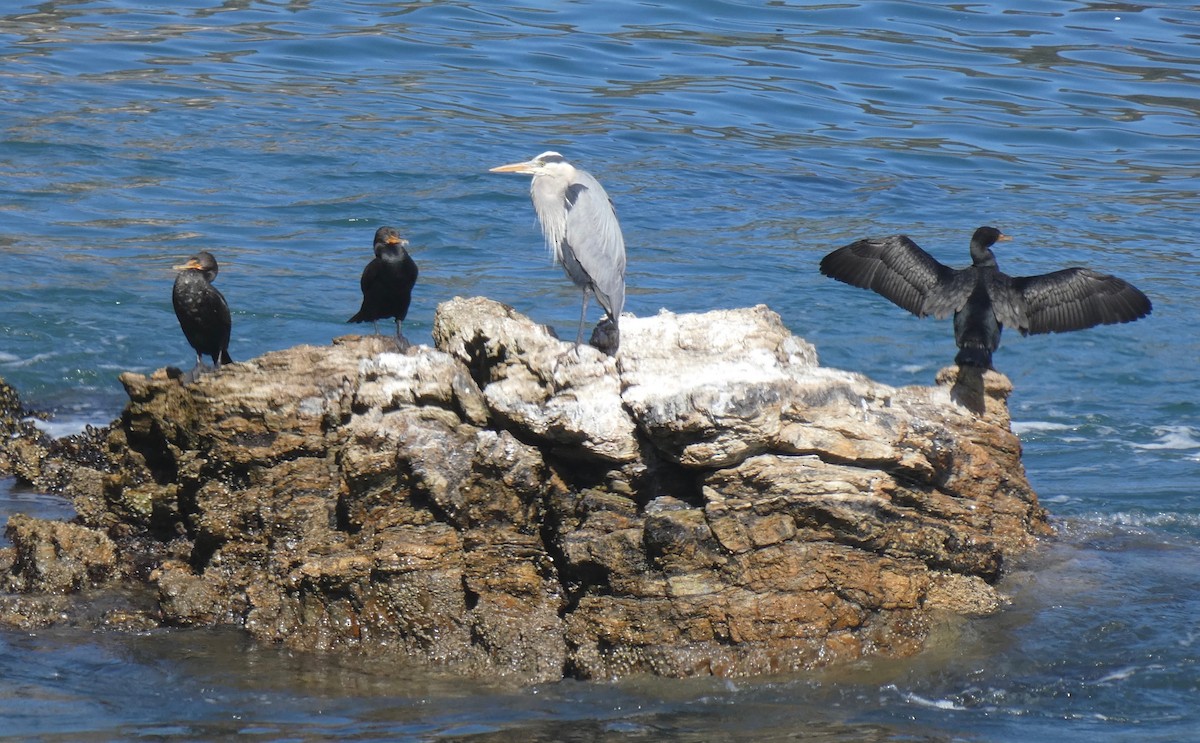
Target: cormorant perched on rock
pixel 201 309
pixel 981 297
pixel 387 282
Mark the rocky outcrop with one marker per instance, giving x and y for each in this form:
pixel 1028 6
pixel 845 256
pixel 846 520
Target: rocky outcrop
pixel 709 501
pixel 22 445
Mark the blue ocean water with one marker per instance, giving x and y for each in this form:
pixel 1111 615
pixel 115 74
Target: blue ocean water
pixel 741 141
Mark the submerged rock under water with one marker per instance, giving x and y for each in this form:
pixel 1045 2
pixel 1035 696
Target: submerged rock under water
pixel 709 501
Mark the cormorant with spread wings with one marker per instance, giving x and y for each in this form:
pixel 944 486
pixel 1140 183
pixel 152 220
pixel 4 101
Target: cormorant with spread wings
pixel 981 297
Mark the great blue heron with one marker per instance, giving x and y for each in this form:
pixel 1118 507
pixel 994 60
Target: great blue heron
pixel 581 230
pixel 981 297
pixel 201 309
pixel 387 282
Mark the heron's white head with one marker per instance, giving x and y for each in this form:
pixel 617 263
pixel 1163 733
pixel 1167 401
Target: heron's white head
pixel 548 163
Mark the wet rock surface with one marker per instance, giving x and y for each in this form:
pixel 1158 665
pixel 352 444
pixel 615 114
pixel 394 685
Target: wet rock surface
pixel 709 501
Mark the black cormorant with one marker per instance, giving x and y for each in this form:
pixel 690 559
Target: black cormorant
pixel 201 309
pixel 981 297
pixel 387 282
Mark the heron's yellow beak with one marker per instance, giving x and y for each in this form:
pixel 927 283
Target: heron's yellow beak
pixel 524 167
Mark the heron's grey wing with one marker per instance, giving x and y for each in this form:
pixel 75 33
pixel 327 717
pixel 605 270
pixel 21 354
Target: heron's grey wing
pixel 898 269
pixel 594 238
pixel 1076 298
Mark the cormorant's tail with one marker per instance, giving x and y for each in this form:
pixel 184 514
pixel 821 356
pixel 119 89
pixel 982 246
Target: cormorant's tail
pixel 976 356
pixel 225 358
pixel 358 317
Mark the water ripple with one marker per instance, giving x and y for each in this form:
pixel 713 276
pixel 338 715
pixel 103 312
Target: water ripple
pixel 740 141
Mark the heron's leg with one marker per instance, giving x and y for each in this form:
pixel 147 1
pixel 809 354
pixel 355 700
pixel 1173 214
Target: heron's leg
pixel 582 318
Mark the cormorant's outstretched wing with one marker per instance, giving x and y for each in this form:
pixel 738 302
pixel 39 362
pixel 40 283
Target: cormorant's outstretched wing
pixel 1071 299
pixel 897 268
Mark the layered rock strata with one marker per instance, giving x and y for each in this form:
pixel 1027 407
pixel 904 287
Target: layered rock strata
pixel 709 501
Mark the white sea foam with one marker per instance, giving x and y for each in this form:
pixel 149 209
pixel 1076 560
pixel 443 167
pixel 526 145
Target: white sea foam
pixel 1172 437
pixel 933 703
pixel 59 427
pixel 17 361
pixel 1119 675
pixel 1137 520
pixel 1020 427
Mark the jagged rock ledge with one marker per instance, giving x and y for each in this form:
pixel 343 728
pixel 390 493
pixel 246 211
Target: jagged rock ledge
pixel 710 501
